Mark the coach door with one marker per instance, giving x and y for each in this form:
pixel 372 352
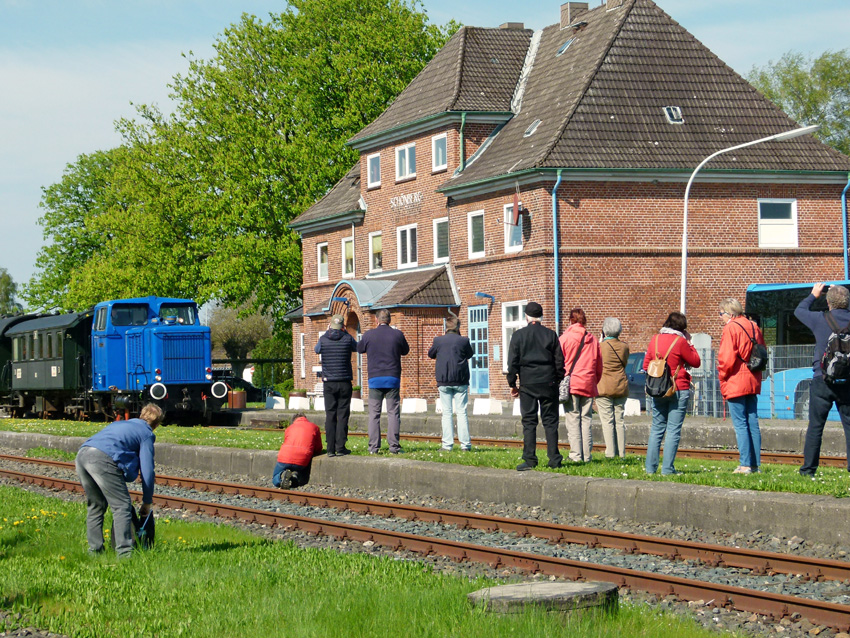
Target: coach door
pixel 479 365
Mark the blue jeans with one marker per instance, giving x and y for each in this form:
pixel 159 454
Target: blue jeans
pixel 668 415
pixel 457 395
pixel 280 468
pixel 744 413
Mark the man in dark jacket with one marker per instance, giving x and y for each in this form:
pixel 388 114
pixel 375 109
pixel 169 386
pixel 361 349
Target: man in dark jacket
pixel 535 356
pixel 384 347
pixel 822 394
pixel 336 346
pixel 109 460
pixel 453 353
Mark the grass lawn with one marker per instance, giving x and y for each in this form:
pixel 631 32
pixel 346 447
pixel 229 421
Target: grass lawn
pixel 208 580
pixel 773 478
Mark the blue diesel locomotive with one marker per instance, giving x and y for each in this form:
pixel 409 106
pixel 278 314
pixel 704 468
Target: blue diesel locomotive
pixel 110 360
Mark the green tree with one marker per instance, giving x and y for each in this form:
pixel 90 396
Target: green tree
pixel 8 290
pixel 278 346
pixel 238 332
pixel 199 203
pixel 812 91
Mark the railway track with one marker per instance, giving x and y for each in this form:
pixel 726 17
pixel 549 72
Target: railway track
pixel 779 458
pixel 771 604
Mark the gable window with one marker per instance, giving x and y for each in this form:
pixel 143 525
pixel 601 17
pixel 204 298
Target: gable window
pixel 373 170
pixel 439 160
pixel 405 162
pixel 322 260
pixel 513 232
pixel 476 234
pixel 441 240
pixel 376 251
pixel 348 257
pixel 778 223
pixel 407 246
pixel 513 318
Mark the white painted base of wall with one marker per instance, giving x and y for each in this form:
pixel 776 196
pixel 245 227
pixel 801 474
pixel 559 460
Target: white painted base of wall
pixel 357 405
pixel 482 406
pixel 275 403
pixel 632 407
pixel 299 403
pixel 413 406
pixel 319 404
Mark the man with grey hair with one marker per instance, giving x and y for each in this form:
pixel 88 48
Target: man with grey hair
pixel 384 347
pixel 822 394
pixel 335 347
pixel 453 352
pixel 109 460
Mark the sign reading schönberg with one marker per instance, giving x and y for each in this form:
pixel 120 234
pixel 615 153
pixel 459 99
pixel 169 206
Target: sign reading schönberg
pixel 405 201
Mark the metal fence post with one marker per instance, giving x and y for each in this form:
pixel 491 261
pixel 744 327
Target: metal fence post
pixel 770 371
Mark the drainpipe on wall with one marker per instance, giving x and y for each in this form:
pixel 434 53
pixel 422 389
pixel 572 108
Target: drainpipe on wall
pixel 462 143
pixel 557 250
pixel 844 223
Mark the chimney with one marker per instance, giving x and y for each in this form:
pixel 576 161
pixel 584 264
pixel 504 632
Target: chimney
pixel 512 25
pixel 570 11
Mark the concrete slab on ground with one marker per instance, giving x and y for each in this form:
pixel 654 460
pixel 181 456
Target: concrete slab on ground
pixel 562 597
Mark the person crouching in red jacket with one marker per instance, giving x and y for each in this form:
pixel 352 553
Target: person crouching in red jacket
pixel 301 442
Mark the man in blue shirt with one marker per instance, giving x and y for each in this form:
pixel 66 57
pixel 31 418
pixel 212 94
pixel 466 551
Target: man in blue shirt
pixel 384 347
pixel 106 463
pixel 821 393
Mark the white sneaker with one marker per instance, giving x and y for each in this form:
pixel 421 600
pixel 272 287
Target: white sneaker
pixel 742 470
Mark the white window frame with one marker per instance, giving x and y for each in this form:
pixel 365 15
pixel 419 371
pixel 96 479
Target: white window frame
pixel 437 258
pixel 348 273
pixel 369 182
pixel 434 166
pixel 302 340
pixel 480 253
pixel 372 235
pixel 792 230
pixel 404 149
pixel 520 323
pixel 509 227
pixel 399 231
pixel 319 247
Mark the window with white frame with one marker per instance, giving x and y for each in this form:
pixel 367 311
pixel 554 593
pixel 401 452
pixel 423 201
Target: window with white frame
pixel 348 257
pixel 476 234
pixel 777 223
pixel 441 240
pixel 322 260
pixel 373 170
pixel 513 232
pixel 439 159
pixel 407 246
pixel 405 161
pixel 303 357
pixel 513 318
pixel 376 252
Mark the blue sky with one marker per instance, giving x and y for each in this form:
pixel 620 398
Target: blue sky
pixel 70 68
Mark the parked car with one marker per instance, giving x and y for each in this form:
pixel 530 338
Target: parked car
pixel 637 378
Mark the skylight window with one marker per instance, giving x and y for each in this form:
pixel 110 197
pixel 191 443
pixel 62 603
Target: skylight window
pixel 674 114
pixel 530 130
pixel 565 46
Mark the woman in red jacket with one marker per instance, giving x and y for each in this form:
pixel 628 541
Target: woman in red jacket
pixel 739 385
pixel 583 379
pixel 668 414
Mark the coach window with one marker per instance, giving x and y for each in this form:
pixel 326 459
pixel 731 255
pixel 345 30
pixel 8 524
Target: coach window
pixel 31 347
pixel 405 162
pixel 777 223
pixel 49 353
pixel 16 349
pixel 59 337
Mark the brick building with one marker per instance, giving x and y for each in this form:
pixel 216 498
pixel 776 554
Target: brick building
pixel 591 126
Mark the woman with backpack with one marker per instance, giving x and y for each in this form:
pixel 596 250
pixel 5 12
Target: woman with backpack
pixel 674 351
pixel 740 381
pixel 583 365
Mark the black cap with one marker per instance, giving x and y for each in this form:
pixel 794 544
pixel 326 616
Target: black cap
pixel 534 309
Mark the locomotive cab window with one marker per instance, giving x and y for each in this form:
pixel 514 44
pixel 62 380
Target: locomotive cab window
pixel 100 320
pixel 130 315
pixel 184 315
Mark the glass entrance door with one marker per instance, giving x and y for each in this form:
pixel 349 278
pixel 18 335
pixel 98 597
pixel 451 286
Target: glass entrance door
pixel 479 365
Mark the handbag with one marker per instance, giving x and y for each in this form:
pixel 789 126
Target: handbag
pixel 564 388
pixel 659 383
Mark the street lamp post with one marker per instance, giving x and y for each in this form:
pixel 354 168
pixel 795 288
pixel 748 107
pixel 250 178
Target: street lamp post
pixel 787 135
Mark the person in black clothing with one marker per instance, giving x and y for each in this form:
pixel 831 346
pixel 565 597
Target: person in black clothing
pixel 822 394
pixel 535 356
pixel 453 352
pixel 336 346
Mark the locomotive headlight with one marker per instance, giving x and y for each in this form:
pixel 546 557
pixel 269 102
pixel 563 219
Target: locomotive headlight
pixel 209 377
pixel 158 377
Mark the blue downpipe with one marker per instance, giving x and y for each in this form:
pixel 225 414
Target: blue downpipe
pixel 557 250
pixel 844 224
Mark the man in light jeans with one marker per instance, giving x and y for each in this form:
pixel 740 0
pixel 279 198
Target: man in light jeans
pixel 453 352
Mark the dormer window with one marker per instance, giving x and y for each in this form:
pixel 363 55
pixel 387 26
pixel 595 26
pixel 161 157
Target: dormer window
pixel 531 128
pixel 564 47
pixel 674 114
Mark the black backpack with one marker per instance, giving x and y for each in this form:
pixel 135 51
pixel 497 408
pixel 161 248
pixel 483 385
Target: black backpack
pixel 659 382
pixel 836 358
pixel 757 360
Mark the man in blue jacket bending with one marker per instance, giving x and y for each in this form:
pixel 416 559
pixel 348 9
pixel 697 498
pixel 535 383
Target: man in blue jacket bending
pixel 384 347
pixel 106 463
